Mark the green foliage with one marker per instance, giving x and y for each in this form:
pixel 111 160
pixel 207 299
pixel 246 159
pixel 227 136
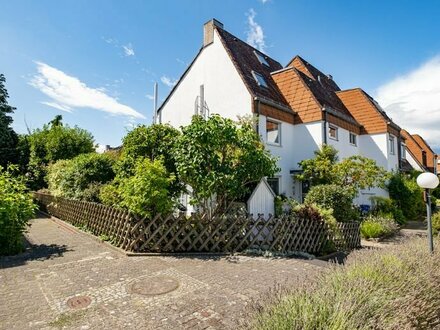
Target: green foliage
pixel 79 178
pixel 54 142
pixel 356 172
pixel 407 195
pixel 383 206
pixel 378 227
pixel 221 159
pixel 152 142
pixel 319 170
pixel 146 192
pixel 109 195
pixel 8 138
pixel 392 288
pixel 436 223
pixel 334 197
pixel 16 208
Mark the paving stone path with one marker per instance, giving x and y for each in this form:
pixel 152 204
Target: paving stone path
pixel 67 280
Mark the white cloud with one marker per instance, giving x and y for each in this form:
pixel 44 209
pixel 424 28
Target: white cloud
pixel 263 1
pixel 58 106
pixel 128 50
pixel 413 100
pixel 67 92
pixel 255 33
pixel 170 82
pixel 150 97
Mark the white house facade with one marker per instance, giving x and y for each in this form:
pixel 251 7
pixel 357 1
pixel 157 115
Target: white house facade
pixel 298 107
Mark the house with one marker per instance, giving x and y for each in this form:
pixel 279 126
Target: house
pixel 299 108
pixel 419 154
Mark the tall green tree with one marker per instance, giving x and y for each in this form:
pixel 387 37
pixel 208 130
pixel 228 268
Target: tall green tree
pixel 153 143
pixel 53 142
pixel 221 160
pixel 8 138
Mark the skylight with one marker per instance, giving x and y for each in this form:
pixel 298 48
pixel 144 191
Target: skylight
pixel 259 79
pixel 261 58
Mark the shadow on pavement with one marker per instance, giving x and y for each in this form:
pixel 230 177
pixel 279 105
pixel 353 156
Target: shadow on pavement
pixel 34 252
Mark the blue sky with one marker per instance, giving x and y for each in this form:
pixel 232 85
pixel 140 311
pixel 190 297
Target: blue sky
pixel 95 62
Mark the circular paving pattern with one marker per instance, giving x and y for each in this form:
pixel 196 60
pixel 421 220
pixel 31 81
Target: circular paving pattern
pixel 79 302
pixel 154 286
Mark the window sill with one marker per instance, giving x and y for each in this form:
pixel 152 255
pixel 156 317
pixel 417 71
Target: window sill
pixel 274 144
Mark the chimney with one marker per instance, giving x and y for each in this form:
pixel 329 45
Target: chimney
pixel 208 31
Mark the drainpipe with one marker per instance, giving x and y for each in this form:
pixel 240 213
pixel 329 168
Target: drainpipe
pixel 324 129
pixel 257 106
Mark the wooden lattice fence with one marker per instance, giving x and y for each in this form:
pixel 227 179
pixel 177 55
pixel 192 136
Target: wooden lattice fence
pixel 198 233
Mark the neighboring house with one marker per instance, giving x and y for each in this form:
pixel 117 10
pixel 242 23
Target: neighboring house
pixel 299 108
pixel 419 154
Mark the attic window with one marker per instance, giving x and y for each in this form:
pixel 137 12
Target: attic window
pixel 261 58
pixel 259 79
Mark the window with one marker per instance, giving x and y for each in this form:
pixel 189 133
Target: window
pixel 353 139
pixel 403 151
pixel 392 147
pixel 259 79
pixel 261 58
pixel 333 132
pixel 273 132
pixel 274 184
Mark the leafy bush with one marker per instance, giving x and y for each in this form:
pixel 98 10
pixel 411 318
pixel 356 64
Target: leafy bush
pixel 16 208
pixel 146 192
pixel 436 223
pixel 337 198
pixel 387 207
pixel 407 195
pixel 378 227
pixel 78 178
pixel 393 288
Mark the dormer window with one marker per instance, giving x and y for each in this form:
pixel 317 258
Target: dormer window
pixel 260 79
pixel 261 58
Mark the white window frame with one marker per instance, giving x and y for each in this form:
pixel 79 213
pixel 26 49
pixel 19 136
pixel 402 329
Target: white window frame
pixel 350 134
pixel 403 150
pixel 279 132
pixel 278 177
pixel 336 128
pixel 259 75
pixel 391 142
pixel 261 58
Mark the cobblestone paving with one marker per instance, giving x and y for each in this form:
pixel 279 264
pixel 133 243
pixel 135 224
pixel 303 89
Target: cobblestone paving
pixel 212 292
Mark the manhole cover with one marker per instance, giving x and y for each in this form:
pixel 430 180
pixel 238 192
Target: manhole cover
pixel 154 285
pixel 78 302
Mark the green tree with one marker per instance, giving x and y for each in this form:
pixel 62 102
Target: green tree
pixel 221 159
pixel 320 169
pixel 151 142
pixel 53 142
pixel 146 193
pixel 356 172
pixel 8 138
pixel 77 177
pixel 16 208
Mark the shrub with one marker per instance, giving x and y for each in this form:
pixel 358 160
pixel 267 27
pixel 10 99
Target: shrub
pixel 378 227
pixel 387 207
pixel 78 178
pixel 393 288
pixel 337 198
pixel 109 195
pixel 146 192
pixel 407 195
pixel 436 223
pixel 16 208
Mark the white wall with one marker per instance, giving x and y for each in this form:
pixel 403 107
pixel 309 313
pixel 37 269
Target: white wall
pixel 342 144
pixel 413 162
pixel 225 92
